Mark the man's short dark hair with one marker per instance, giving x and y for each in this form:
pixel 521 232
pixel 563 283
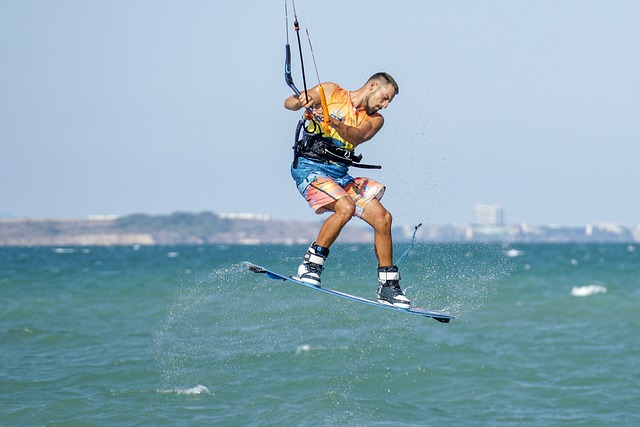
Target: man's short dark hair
pixel 385 78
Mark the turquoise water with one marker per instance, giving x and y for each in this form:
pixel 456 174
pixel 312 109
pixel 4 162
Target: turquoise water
pixel 545 335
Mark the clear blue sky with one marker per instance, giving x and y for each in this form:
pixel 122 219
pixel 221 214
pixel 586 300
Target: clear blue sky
pixel 120 107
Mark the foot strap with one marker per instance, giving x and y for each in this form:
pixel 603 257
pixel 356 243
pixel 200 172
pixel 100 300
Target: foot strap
pixel 388 273
pixel 313 258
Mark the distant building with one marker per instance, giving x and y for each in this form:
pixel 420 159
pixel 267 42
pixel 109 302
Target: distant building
pixel 489 215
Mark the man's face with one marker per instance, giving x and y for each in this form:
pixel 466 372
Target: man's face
pixel 379 97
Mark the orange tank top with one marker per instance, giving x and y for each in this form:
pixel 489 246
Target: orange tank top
pixel 340 106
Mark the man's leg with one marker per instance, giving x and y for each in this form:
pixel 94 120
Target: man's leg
pixel 389 291
pixel 378 217
pixel 313 262
pixel 342 212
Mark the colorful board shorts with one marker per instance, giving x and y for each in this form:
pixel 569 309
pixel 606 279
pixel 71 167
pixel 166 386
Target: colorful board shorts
pixel 322 185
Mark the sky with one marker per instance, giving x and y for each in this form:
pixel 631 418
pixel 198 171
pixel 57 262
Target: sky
pixel 146 106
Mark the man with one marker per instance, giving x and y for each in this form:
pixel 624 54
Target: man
pixel 324 181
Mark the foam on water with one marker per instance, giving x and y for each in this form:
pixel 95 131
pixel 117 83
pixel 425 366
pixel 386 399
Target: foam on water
pixel 585 291
pixel 64 250
pixel 306 348
pixel 512 253
pixel 197 390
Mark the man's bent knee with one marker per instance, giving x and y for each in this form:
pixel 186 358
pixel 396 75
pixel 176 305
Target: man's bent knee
pixel 386 219
pixel 345 207
pixel 378 217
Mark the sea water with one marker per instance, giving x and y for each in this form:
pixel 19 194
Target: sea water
pixel 544 335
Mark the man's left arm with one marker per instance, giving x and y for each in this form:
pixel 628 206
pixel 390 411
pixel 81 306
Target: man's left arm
pixel 360 134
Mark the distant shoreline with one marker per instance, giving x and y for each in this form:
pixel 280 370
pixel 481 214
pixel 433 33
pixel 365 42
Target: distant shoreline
pixel 248 229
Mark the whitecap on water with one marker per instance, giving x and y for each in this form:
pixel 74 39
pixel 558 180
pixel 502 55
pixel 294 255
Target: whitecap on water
pixel 585 291
pixel 305 348
pixel 512 253
pixel 64 251
pixel 199 389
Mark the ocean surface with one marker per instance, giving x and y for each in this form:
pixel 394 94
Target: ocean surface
pixel 544 335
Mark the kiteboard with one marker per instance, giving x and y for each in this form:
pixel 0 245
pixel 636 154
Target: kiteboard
pixel 437 315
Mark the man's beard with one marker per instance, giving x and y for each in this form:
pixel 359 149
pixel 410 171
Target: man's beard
pixel 368 108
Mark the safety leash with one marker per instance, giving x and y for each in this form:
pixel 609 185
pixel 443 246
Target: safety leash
pixel 413 242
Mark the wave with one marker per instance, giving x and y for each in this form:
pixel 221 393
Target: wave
pixel 512 253
pixel 197 390
pixel 585 291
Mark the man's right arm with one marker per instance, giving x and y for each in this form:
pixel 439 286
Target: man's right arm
pixel 292 103
pixel 308 99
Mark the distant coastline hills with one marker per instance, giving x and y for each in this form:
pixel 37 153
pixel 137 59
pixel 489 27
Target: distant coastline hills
pixel 212 228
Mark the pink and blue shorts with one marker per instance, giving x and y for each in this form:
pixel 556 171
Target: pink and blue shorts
pixel 322 184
